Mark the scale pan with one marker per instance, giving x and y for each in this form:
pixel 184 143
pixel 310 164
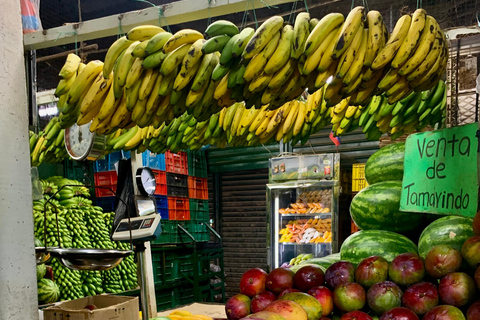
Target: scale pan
pixel 90 259
pixel 40 256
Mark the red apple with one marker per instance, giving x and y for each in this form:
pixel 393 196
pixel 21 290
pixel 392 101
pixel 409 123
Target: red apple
pixel 421 297
pixel 261 300
pixel 253 282
pixel 444 312
pixel 371 270
pixel 442 260
pixel 399 313
pixel 349 297
pixel 340 272
pixel 407 269
pixel 237 307
pixel 473 312
pixel 456 289
pixel 284 292
pixel 280 279
pixel 325 297
pixel 471 250
pixel 476 223
pixel 356 315
pixel 384 296
pixel 308 277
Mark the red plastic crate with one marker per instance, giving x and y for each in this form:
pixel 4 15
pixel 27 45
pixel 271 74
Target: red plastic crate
pixel 178 208
pixel 197 188
pixel 161 180
pixel 105 179
pixel 176 162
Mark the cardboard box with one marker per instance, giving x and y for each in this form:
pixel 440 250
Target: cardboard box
pixel 109 307
pixel 214 310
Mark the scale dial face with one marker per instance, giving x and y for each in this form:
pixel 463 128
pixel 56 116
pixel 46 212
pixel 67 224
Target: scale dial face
pixel 146 182
pixel 82 144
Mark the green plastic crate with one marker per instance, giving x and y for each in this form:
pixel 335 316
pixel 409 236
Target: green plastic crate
pixel 199 210
pixel 197 164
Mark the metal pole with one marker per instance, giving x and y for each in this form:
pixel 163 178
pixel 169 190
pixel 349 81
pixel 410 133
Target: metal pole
pixel 143 284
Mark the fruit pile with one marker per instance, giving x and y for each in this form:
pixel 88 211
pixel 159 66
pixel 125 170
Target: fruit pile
pixel 49 145
pixel 444 284
pixel 151 77
pixel 80 225
pixel 307 231
pixel 183 314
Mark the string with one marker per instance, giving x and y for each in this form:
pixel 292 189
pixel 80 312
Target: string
pixel 74 33
pixel 419 4
pixel 120 32
pixel 268 6
pixel 209 20
pixel 353 3
pixel 254 15
pixel 161 14
pixel 306 6
pixel 266 149
pixel 294 8
pixel 245 16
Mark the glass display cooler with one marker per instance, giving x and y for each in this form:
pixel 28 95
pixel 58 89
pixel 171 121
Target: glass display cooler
pixel 302 218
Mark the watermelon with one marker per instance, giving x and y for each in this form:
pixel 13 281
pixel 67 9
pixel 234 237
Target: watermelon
pixel 386 164
pixel 449 230
pixel 48 291
pixel 38 243
pixel 41 271
pixel 377 207
pixel 366 243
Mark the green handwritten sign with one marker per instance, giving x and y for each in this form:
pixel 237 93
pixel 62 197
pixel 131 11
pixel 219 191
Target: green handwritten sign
pixel 440 172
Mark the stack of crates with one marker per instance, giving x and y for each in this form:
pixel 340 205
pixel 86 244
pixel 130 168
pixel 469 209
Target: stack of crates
pixel 198 193
pixel 358 177
pixel 105 178
pixel 156 162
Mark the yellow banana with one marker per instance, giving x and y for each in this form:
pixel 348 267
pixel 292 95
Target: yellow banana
pixel 376 37
pixel 181 38
pixel 64 85
pixel 70 67
pixel 194 97
pixel 258 119
pixel 229 116
pixel 272 45
pixel 300 120
pixel 312 61
pixel 237 119
pixel 139 109
pixel 119 46
pixel 327 59
pixel 351 54
pixel 139 51
pixel 193 56
pixel 109 106
pixel 173 59
pixel 124 65
pixel 353 73
pixel 132 94
pixel 96 93
pixel 204 73
pixel 142 33
pixel 352 23
pixel 262 36
pixel 222 88
pixel 148 82
pixel 282 52
pixel 321 31
pixel 135 73
pixel 425 43
pixel 398 36
pixel 410 42
pixel 301 31
pixel 255 67
pixel 429 60
pixel 282 75
pixel 84 80
pixel 291 118
pixel 156 42
pixel 248 117
pixel 264 122
pixel 121 113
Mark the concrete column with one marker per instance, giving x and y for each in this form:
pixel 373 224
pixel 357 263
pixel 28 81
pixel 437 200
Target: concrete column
pixel 18 290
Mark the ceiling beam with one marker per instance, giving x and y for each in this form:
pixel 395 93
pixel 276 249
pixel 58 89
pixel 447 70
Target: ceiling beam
pixel 175 13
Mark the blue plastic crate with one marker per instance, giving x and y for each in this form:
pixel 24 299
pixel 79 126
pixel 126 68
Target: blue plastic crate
pixel 153 160
pixel 109 161
pixel 106 203
pixel 162 206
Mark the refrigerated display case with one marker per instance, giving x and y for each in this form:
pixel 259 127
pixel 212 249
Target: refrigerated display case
pixel 302 219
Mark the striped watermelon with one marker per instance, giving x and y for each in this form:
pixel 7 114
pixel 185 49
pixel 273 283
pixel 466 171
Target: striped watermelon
pixel 48 291
pixel 41 271
pixel 366 243
pixel 386 164
pixel 377 207
pixel 323 262
pixel 449 230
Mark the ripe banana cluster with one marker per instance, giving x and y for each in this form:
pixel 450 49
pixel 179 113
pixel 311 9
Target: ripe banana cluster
pixel 48 145
pixel 153 81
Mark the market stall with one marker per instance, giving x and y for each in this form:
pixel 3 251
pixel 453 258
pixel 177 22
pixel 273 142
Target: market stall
pixel 128 213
